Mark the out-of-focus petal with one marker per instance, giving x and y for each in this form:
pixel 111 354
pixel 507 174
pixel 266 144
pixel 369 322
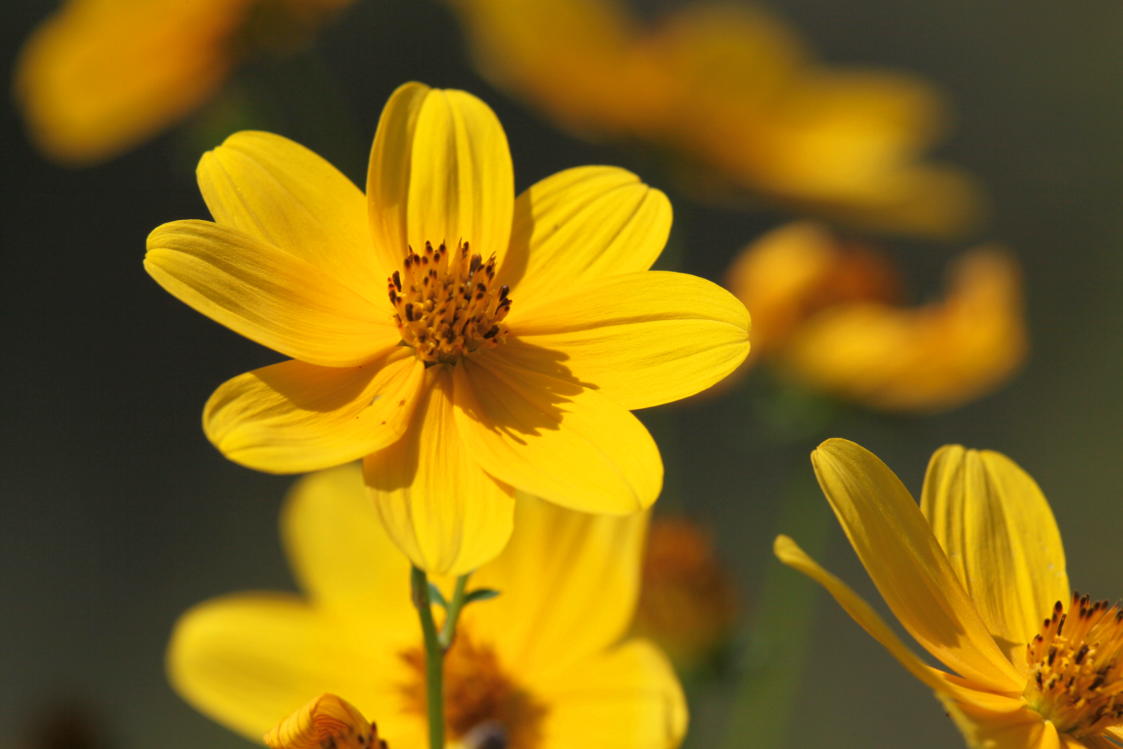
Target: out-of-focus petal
pixel 100 76
pixel 1000 537
pixel 339 552
pixel 641 339
pixel 249 660
pixel 328 720
pixel 894 543
pixel 267 294
pixel 625 698
pixel 579 225
pixel 278 191
pixel 921 359
pixel 560 606
pixel 294 417
pixel 547 435
pixel 437 503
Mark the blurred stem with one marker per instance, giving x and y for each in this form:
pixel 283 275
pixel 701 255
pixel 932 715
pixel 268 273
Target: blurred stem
pixel 452 614
pixel 780 631
pixel 434 658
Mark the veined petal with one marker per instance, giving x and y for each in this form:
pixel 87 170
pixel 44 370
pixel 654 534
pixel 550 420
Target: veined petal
pixel 549 436
pixel 389 171
pixel 788 552
pixel 280 192
pixel 440 171
pixel 640 338
pixel 328 720
pixel 268 295
pixel 437 504
pixel 461 182
pixel 986 724
pixel 627 697
pixel 249 660
pixel 905 562
pixel 339 552
pixel 568 584
pixel 294 417
pixel 1001 539
pixel 581 224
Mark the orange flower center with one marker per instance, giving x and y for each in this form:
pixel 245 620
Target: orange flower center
pixel 1076 668
pixel 484 707
pixel 446 303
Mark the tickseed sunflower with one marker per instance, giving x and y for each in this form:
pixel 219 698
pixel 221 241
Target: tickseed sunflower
pixel 732 89
pixel 100 76
pixel 828 314
pixel 976 574
pixel 543 665
pixel 464 342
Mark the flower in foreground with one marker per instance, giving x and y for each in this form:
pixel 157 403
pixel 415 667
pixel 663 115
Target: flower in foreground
pixel 464 342
pixel 99 76
pixel 731 89
pixel 976 574
pixel 542 665
pixel 827 315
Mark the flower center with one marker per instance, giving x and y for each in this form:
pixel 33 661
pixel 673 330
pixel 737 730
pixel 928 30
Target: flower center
pixel 484 707
pixel 446 303
pixel 1076 667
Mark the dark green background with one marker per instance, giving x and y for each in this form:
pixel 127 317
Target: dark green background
pixel 117 514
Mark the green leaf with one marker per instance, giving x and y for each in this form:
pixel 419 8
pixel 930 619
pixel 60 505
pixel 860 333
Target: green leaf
pixel 480 594
pixel 436 597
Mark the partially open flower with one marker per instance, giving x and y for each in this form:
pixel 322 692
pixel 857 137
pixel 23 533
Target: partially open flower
pixel 327 722
pixel 688 603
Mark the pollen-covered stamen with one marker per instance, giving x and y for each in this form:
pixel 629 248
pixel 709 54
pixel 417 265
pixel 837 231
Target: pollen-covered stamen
pixel 1076 667
pixel 446 303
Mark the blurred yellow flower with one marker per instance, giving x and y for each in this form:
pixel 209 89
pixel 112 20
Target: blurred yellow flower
pixel 100 76
pixel 326 722
pixel 505 352
pixel 824 313
pixel 688 603
pixel 543 665
pixel 976 574
pixel 731 89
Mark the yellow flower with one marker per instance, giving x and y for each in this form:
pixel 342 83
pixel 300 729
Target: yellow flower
pixel 100 76
pixel 327 721
pixel 542 665
pixel 825 314
pixel 688 603
pixel 976 574
pixel 504 352
pixel 735 91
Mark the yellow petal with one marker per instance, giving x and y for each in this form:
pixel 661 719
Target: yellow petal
pixel 99 76
pixel 438 505
pixel 440 169
pixel 249 660
pixel 905 562
pixel 627 697
pixel 788 552
pixel 328 720
pixel 999 726
pixel 266 294
pixel 1001 539
pixel 294 417
pixel 339 552
pixel 278 191
pixel 568 585
pixel 924 358
pixel 547 435
pixel 581 224
pixel 389 172
pixel 641 339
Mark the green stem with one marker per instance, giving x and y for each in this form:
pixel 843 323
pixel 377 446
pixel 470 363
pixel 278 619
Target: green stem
pixel 452 615
pixel 434 659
